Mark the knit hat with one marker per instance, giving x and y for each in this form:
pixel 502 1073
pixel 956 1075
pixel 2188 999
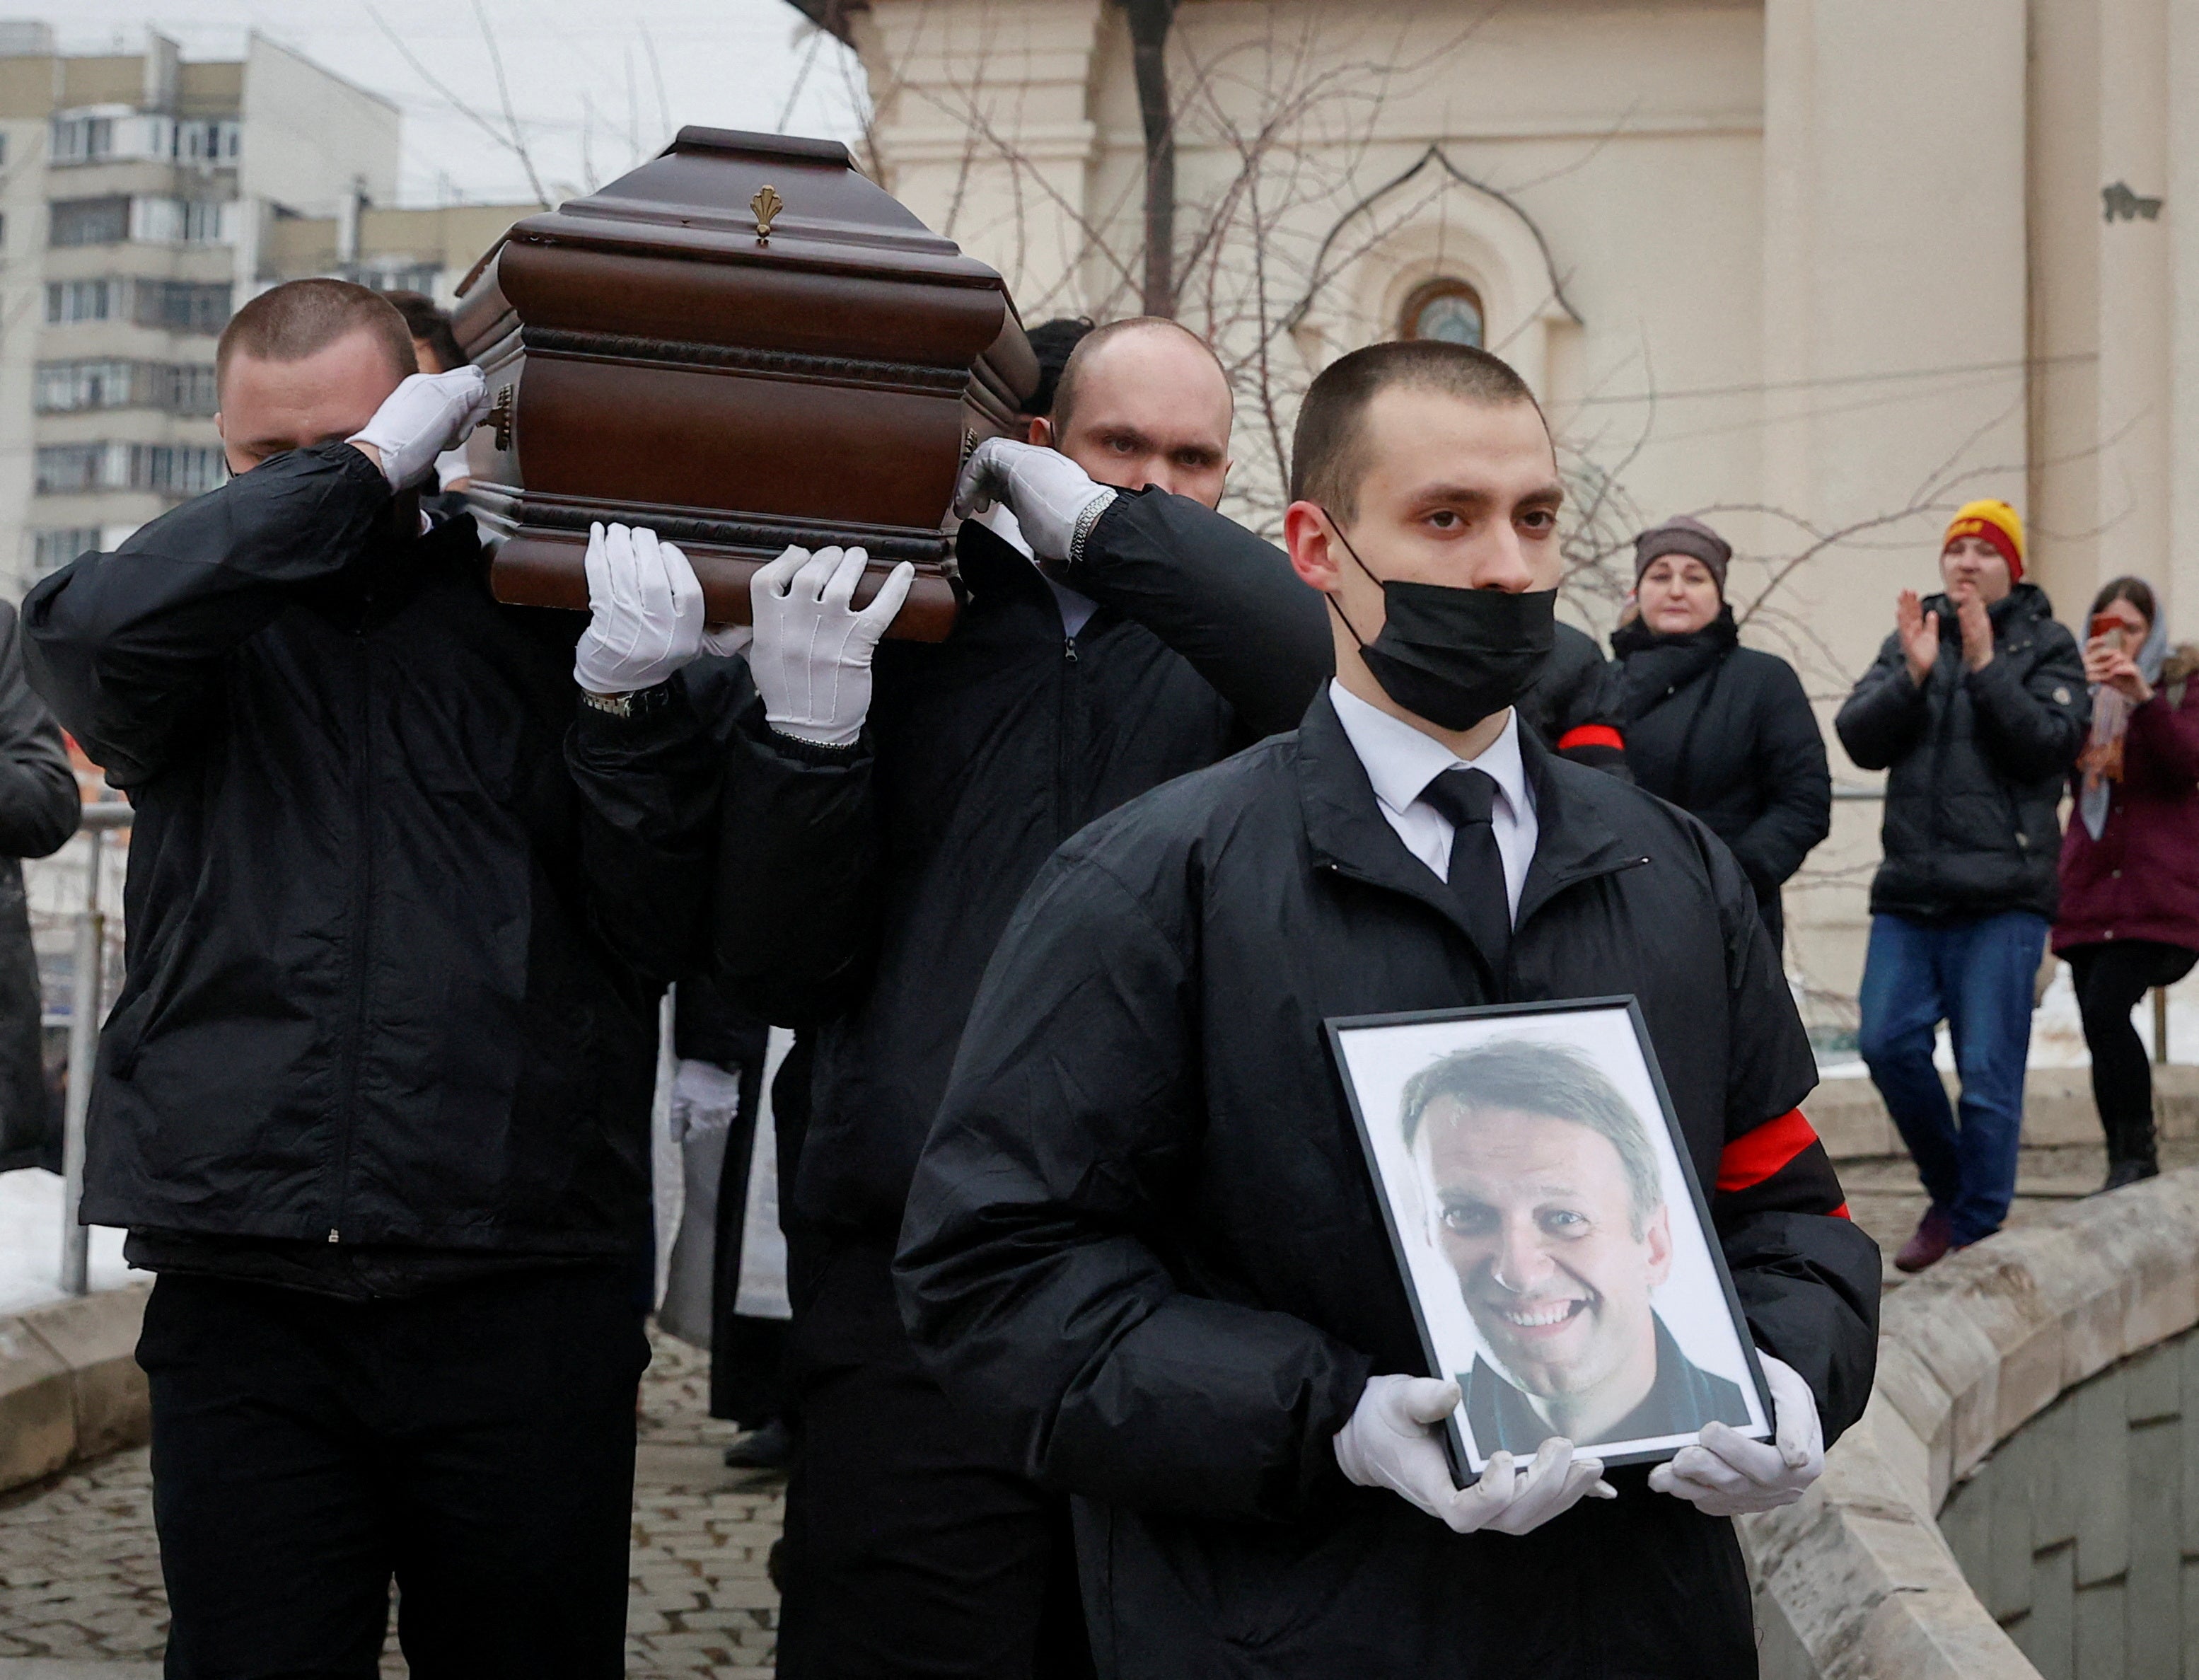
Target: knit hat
pixel 1998 524
pixel 1684 535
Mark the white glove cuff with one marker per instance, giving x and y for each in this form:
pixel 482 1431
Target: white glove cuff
pixel 818 735
pixel 1087 518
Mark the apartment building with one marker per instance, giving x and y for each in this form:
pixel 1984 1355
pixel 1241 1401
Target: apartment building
pixel 144 198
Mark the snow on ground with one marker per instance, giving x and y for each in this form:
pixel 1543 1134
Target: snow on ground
pixel 31 1243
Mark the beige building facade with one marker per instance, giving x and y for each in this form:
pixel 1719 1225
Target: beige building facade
pixel 1816 271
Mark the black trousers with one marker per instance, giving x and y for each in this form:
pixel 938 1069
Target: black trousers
pixel 2110 980
pixel 475 1442
pixel 914 1550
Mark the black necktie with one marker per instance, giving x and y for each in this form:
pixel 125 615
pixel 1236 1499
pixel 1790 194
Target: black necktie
pixel 1468 797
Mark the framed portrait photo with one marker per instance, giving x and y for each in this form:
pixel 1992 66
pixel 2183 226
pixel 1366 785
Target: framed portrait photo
pixel 1549 1230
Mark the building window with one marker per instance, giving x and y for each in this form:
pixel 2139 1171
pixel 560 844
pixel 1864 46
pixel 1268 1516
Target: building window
pixel 91 221
pixel 174 469
pixel 207 141
pixel 1449 310
pixel 415 277
pixel 66 387
pixel 180 221
pixel 185 389
pixel 190 389
pixel 69 300
pixel 182 305
pixel 52 549
pixel 82 139
pixel 70 469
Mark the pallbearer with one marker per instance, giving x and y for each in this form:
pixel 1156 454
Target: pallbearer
pixel 374 1099
pixel 1142 1251
pixel 889 815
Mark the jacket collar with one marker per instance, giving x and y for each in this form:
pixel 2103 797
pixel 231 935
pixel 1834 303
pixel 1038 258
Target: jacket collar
pixel 1401 761
pixel 2022 606
pixel 1347 833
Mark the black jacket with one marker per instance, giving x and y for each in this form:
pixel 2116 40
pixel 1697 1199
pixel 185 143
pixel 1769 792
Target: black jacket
pixel 1726 733
pixel 1976 760
pixel 1143 1245
pixel 387 976
pixel 861 893
pixel 1573 704
pixel 38 807
pixel 1683 1398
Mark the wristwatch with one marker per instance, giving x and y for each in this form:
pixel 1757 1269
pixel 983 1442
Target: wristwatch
pixel 639 703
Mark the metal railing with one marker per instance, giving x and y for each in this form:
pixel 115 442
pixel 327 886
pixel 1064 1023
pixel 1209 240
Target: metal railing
pixel 87 1004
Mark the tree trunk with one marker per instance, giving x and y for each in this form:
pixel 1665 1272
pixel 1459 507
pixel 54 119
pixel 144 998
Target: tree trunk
pixel 1150 21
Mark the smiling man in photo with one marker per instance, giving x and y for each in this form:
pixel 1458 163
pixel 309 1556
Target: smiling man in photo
pixel 1548 1203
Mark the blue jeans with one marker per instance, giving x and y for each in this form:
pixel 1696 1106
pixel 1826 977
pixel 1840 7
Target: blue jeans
pixel 1976 975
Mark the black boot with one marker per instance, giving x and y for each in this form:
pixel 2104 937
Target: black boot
pixel 2123 1174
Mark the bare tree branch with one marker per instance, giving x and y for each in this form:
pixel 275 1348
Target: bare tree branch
pixel 504 96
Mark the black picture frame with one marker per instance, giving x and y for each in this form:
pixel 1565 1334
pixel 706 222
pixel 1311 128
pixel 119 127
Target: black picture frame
pixel 1335 1029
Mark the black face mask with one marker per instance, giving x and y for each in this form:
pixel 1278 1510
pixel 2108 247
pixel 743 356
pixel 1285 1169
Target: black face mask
pixel 1454 657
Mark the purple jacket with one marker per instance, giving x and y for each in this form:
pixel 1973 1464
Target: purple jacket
pixel 2140 878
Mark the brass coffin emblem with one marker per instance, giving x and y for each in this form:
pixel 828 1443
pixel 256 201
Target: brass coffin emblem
pixel 766 205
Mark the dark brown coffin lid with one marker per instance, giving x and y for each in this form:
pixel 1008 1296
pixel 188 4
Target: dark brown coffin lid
pixel 834 221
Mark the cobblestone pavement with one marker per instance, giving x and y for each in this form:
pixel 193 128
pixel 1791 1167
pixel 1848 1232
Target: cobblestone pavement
pixel 80 1573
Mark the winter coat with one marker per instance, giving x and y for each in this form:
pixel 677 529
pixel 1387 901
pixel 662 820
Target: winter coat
pixel 1726 732
pixel 38 812
pixel 387 976
pixel 861 893
pixel 1143 1246
pixel 2140 878
pixel 1975 760
pixel 1573 704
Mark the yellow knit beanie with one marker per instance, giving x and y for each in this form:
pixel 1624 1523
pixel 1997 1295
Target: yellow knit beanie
pixel 1998 524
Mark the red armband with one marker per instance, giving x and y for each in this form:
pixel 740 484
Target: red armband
pixel 1592 735
pixel 1765 1152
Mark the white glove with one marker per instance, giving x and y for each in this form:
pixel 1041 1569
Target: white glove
pixel 1730 1475
pixel 644 612
pixel 422 418
pixel 1390 1441
pixel 1050 495
pixel 811 657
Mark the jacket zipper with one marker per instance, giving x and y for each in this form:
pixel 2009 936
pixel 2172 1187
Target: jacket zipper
pixel 1062 749
pixel 362 885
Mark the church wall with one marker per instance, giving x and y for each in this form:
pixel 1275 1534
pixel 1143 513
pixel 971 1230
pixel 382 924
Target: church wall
pixel 1818 269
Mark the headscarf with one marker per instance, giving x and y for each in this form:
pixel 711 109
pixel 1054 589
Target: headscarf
pixel 2095 794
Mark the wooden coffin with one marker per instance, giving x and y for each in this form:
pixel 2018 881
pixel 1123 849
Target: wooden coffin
pixel 741 344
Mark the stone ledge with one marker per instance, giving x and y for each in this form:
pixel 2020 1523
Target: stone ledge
pixel 1856 1580
pixel 70 1387
pixel 2057 1110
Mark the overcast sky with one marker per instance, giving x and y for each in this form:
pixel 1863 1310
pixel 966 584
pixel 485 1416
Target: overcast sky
pixel 588 93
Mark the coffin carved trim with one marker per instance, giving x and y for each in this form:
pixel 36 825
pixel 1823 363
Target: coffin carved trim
pixel 565 341
pixel 504 511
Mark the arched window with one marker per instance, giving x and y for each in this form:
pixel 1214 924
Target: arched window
pixel 1449 310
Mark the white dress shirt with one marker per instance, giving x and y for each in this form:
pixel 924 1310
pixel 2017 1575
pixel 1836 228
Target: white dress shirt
pixel 1401 761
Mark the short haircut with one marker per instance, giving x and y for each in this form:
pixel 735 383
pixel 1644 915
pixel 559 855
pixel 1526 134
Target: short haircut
pixel 1531 1077
pixel 303 318
pixel 1052 342
pixel 430 326
pixel 1080 358
pixel 1328 450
